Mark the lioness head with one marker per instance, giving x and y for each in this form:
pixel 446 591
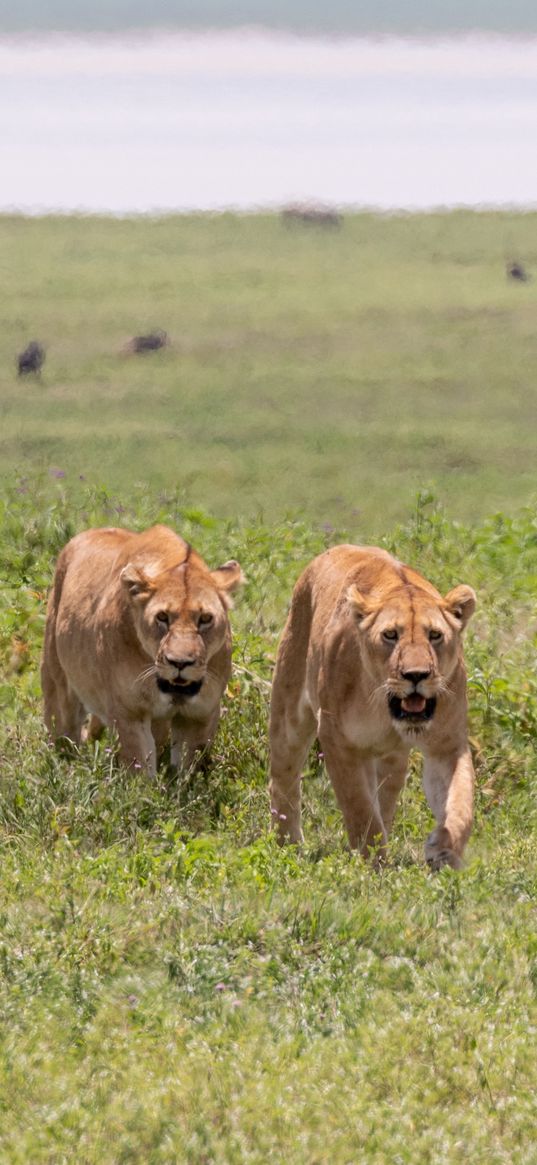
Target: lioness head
pixel 181 619
pixel 411 642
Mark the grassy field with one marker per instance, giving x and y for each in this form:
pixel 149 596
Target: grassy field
pixel 173 987
pixel 329 372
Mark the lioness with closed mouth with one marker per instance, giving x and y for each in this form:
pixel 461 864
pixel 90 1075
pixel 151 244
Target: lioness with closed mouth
pixel 371 664
pixel 138 635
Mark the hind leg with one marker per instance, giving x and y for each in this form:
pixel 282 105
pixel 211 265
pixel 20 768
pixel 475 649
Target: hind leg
pixel 291 736
pixel 64 713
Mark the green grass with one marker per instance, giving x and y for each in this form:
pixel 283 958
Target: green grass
pixel 174 987
pixel 333 373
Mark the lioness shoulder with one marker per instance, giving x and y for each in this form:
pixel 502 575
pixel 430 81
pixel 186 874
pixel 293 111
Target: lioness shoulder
pixel 138 635
pixel 371 663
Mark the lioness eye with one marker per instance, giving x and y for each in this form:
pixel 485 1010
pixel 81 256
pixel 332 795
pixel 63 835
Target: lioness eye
pixel 163 618
pixel 390 635
pixel 205 618
pixel 435 636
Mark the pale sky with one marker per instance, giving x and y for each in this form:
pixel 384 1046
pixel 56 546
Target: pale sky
pixel 227 119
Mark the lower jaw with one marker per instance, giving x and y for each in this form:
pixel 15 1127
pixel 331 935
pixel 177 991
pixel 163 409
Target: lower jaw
pixel 179 691
pixel 410 726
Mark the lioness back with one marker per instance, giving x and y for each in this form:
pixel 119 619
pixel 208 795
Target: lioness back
pixel 371 662
pixel 138 635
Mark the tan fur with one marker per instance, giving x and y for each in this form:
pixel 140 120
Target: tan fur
pixel 126 613
pixel 342 677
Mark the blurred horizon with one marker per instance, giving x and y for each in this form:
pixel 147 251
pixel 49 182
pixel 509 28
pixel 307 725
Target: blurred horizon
pixel 340 18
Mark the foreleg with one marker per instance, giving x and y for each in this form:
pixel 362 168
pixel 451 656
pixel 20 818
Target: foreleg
pixel 449 788
pixel 354 778
pixel 136 744
pixel 391 776
pixel 191 741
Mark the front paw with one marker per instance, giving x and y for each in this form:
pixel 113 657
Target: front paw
pixel 288 829
pixel 438 854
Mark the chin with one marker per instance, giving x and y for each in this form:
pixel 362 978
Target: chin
pixel 410 730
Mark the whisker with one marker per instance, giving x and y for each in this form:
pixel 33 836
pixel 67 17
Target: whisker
pixel 145 674
pixel 382 692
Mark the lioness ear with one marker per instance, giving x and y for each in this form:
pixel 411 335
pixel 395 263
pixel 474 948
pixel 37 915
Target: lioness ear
pixel 460 603
pixel 359 602
pixel 228 578
pixel 135 579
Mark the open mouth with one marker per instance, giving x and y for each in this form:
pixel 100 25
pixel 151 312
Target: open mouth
pixel 415 709
pixel 179 689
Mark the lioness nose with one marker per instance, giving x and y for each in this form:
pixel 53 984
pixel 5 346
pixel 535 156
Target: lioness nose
pixel 416 676
pixel 180 663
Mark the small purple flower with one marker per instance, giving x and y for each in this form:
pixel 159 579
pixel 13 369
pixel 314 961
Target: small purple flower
pixel 282 816
pixel 274 812
pixel 220 987
pixel 55 472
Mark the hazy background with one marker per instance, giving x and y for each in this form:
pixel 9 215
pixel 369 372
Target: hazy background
pixel 291 347
pixel 340 16
pixel 202 104
pixel 191 120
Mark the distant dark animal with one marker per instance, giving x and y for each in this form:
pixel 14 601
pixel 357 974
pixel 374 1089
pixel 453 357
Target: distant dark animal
pixel 32 359
pixel 149 343
pixel 322 216
pixel 517 271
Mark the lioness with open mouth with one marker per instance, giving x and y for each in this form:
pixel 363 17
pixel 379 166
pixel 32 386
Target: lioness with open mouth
pixel 371 664
pixel 138 635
